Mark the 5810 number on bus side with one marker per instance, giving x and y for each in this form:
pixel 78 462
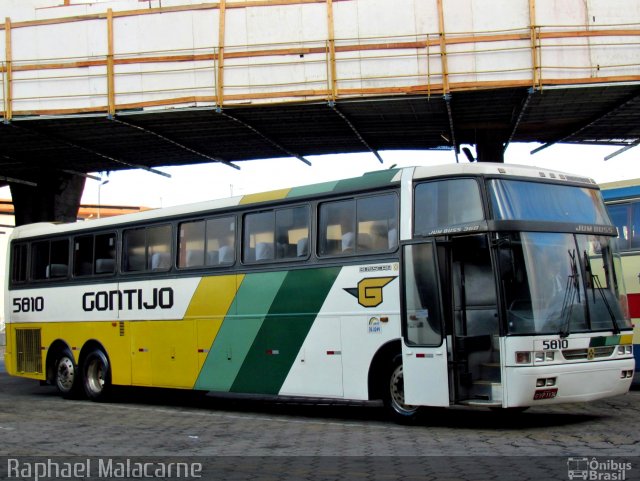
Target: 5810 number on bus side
pixel 28 304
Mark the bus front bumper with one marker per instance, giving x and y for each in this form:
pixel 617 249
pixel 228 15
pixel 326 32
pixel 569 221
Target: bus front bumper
pixel 566 383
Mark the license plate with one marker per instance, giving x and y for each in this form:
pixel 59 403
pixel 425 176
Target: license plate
pixel 545 394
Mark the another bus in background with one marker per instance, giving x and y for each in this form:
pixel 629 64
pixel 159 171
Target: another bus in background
pixel 623 203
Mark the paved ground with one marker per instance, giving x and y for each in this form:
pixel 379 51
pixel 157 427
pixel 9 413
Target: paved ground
pixel 258 439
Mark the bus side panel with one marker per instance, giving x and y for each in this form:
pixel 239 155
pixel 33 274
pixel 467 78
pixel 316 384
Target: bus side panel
pixel 290 316
pixel 210 304
pixel 9 355
pixel 361 307
pixel 631 271
pixel 254 296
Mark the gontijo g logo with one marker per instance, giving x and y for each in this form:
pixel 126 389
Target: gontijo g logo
pixel 369 290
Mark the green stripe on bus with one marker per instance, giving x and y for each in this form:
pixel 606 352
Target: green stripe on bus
pixel 379 178
pixel 290 318
pixel 238 331
pixel 604 341
pixel 314 189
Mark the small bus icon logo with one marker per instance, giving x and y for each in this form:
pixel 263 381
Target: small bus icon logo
pixel 578 468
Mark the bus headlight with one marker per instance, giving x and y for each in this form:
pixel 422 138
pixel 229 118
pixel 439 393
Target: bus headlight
pixel 625 350
pixel 544 356
pixel 523 357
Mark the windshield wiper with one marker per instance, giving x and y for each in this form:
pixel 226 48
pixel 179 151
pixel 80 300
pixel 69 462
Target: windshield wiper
pixel 570 293
pixel 594 282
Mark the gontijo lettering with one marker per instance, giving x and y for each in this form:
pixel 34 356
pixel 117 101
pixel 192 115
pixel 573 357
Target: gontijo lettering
pixel 128 299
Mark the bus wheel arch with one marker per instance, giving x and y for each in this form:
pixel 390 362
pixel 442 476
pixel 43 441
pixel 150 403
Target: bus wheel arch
pixel 386 383
pixel 62 369
pixel 376 381
pixel 96 371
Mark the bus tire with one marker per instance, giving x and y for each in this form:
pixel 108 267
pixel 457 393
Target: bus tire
pixel 96 376
pixel 394 395
pixel 66 375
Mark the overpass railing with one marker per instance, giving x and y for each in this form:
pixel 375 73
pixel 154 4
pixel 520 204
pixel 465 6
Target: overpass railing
pixel 323 70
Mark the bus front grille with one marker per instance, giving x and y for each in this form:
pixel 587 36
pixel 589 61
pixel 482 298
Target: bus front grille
pixel 596 353
pixel 29 348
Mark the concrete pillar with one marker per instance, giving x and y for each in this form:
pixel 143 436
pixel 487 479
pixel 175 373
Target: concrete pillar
pixel 55 199
pixel 490 146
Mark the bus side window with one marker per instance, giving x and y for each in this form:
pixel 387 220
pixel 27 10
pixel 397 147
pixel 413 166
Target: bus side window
pixel 49 259
pixel 221 241
pixel 105 253
pixel 191 244
pixel 337 227
pixel 83 255
pixel 292 228
pixel 276 234
pixel 258 236
pixel 359 226
pixel 159 248
pixel 446 202
pixel 19 263
pixel 209 242
pixel 147 248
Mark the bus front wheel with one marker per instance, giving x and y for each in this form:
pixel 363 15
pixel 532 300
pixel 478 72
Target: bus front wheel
pixel 96 375
pixel 66 375
pixel 394 401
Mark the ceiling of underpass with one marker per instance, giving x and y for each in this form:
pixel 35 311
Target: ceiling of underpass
pixel 605 114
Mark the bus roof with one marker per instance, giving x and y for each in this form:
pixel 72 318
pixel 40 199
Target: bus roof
pixel 368 181
pixel 622 189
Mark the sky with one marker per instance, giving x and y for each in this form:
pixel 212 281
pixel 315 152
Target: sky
pixel 201 182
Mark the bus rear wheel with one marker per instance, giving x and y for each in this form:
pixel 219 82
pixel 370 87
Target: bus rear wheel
pixel 96 375
pixel 66 375
pixel 398 409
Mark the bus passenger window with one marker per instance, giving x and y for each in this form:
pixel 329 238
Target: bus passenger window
pixel 208 242
pixel 94 254
pixel 277 234
pixel 134 250
pixel 49 259
pixel 258 236
pixel 377 221
pixel 446 202
pixel 159 247
pixel 147 249
pixel 360 226
pixel 221 241
pixel 19 263
pixel 292 229
pixel 337 227
pixel 105 253
pixel 83 256
pixel 191 244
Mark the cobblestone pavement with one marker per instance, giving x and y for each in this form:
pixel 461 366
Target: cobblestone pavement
pixel 253 438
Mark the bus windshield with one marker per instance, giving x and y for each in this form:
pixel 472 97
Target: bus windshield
pixel 536 201
pixel 561 283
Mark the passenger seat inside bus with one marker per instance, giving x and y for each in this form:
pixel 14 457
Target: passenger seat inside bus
pixel 56 270
pixel 160 260
pixel 264 251
pixel 225 255
pixel 105 266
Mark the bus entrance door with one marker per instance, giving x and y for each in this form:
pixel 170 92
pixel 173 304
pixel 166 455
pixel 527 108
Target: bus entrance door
pixel 475 347
pixel 424 350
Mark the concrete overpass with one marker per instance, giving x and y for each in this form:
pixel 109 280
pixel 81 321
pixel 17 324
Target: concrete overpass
pixel 112 85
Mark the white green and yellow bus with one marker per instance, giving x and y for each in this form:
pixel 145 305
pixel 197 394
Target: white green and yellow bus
pixel 484 285
pixel 623 203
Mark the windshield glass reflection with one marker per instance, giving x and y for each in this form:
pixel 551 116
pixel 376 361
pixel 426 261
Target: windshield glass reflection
pixel 560 283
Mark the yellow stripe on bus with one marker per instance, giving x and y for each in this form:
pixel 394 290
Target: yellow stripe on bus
pixel 265 196
pixel 208 308
pixel 626 339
